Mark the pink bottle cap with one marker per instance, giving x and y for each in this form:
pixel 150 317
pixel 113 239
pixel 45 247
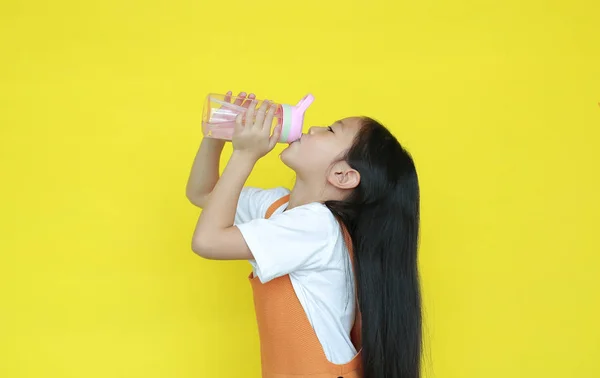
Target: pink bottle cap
pixel 293 119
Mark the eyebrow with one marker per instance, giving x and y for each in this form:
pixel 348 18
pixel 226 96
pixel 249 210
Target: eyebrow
pixel 341 124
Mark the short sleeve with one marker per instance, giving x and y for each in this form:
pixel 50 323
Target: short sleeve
pixel 254 202
pixel 302 238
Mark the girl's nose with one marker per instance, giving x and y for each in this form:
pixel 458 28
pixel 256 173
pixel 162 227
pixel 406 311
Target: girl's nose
pixel 315 129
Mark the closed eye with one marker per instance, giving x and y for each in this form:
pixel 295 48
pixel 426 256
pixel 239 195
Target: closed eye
pixel 329 128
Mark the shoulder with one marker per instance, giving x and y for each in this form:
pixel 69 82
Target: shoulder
pixel 254 202
pixel 263 196
pixel 315 218
pixel 265 193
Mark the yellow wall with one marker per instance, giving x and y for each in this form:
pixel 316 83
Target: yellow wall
pixel 100 106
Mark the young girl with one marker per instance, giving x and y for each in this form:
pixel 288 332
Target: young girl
pixel 335 277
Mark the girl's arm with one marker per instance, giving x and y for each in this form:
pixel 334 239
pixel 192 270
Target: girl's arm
pixel 215 236
pixel 205 171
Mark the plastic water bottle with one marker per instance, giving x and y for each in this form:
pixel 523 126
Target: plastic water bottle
pixel 220 113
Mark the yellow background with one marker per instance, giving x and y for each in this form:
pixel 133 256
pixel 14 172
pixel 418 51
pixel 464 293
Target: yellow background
pixel 100 107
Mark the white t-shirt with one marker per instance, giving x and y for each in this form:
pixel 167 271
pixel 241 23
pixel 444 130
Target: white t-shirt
pixel 306 243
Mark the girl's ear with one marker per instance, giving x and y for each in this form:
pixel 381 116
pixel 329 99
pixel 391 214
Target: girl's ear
pixel 342 176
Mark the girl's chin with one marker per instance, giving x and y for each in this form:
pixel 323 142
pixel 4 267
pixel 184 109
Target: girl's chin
pixel 286 154
pixel 289 146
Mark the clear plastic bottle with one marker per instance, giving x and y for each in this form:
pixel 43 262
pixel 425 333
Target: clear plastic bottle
pixel 220 113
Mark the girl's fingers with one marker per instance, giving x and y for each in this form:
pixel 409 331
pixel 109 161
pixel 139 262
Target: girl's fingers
pixel 228 96
pixel 248 101
pixel 260 115
pixel 250 113
pixel 240 98
pixel 269 118
pixel 238 123
pixel 274 138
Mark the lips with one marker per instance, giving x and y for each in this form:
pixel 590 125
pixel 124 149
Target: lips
pixel 297 140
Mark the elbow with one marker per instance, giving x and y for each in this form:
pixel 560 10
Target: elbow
pixel 201 245
pixel 196 199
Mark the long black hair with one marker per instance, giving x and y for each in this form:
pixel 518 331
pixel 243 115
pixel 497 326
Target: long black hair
pixel 382 217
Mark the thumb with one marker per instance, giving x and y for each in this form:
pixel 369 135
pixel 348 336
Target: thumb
pixel 275 137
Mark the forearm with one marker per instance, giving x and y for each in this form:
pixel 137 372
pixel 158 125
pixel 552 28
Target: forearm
pixel 219 211
pixel 204 174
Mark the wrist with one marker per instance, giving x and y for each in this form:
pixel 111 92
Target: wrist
pixel 244 157
pixel 213 143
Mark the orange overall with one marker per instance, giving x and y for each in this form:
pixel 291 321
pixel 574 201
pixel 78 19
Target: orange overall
pixel 288 344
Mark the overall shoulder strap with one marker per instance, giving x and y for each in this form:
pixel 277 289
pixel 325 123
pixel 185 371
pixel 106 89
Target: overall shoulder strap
pixel 276 205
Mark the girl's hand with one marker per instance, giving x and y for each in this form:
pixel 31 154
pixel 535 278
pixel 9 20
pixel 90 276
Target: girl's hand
pixel 252 134
pixel 241 99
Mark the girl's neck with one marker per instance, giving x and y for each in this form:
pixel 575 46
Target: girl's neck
pixel 304 193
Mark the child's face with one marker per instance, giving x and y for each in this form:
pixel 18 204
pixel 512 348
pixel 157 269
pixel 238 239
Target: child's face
pixel 311 156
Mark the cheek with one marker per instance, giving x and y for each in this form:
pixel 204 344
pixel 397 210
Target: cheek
pixel 319 157
pixel 311 155
pixel 327 151
pixel 312 151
